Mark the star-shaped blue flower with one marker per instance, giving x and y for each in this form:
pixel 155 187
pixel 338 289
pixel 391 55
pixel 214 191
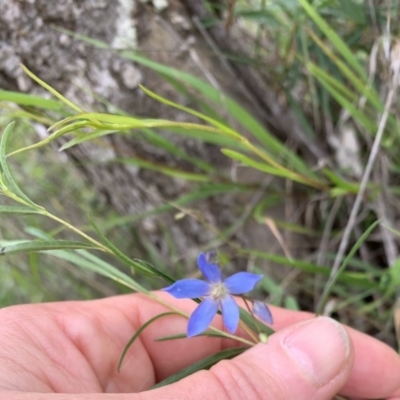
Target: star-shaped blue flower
pixel 217 293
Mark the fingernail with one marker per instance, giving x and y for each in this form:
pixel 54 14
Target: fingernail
pixel 320 347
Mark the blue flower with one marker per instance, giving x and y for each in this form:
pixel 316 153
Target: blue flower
pixel 217 293
pixel 262 311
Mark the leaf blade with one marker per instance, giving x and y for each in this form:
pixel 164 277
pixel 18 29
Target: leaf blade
pixel 206 363
pixel 32 246
pixel 12 185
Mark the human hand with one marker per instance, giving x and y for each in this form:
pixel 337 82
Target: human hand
pixel 72 348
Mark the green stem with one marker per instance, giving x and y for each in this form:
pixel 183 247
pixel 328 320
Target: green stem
pixel 79 232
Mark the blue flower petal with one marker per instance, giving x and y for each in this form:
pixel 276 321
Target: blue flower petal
pixel 261 310
pixel 230 313
pixel 210 271
pixel 202 317
pixel 242 282
pixel 188 289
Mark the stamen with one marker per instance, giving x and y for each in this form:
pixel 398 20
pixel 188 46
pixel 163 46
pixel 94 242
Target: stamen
pixel 218 291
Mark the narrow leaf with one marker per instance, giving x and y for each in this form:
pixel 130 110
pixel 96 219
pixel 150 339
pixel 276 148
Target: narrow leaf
pixel 138 332
pixel 50 89
pixel 184 336
pixel 37 245
pixel 10 210
pixel 85 138
pixel 137 265
pixel 206 363
pixel 174 172
pixel 90 262
pixel 29 100
pixel 254 324
pixel 334 38
pixel 345 262
pixel 282 172
pixel 6 171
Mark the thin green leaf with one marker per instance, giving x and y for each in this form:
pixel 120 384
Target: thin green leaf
pixel 340 183
pixel 291 303
pixel 166 144
pixel 184 336
pixel 52 137
pixel 334 39
pixel 222 127
pixel 21 210
pixel 208 137
pixel 137 334
pixel 29 100
pixel 90 262
pixel 176 173
pixel 345 262
pixel 206 363
pixel 152 137
pixel 254 324
pixel 94 42
pixel 362 86
pixel 11 184
pixel 51 90
pixel 36 245
pixel 122 122
pixel 345 97
pixel 86 138
pixel 143 267
pixel 359 279
pixel 283 172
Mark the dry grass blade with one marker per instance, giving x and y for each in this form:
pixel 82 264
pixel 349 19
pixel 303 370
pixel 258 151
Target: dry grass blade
pixel 275 231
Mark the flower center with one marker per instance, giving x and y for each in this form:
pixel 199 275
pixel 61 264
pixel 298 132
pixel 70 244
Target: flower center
pixel 218 291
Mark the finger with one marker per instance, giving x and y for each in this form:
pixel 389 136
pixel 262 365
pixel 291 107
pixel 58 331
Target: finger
pixel 395 395
pixel 372 359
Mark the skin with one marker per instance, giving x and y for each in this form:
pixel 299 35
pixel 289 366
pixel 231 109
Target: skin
pixel 69 350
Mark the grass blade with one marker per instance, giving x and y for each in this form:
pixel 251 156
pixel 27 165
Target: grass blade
pixel 345 262
pixel 38 245
pixel 90 262
pixel 50 89
pixel 11 184
pixel 137 334
pixel 206 363
pixel 21 210
pixel 334 39
pixel 140 266
pixel 30 100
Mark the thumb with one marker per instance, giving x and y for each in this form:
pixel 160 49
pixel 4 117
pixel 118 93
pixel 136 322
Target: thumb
pixel 311 359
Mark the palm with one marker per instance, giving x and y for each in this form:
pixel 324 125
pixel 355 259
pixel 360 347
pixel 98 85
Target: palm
pixel 67 350
pixel 75 347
